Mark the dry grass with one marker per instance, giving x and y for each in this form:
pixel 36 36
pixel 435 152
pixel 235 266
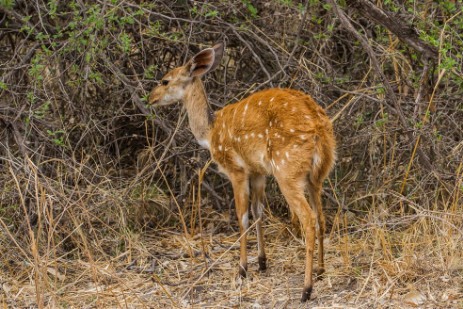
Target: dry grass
pixel 374 260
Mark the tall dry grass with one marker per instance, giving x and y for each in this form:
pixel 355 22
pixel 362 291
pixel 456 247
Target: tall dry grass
pixel 131 246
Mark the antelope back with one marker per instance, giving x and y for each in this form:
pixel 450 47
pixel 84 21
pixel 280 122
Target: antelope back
pixel 274 130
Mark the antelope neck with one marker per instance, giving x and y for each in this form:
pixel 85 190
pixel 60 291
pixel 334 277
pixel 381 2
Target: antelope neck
pixel 199 112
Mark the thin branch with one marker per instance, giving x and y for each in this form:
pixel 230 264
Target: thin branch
pixel 404 32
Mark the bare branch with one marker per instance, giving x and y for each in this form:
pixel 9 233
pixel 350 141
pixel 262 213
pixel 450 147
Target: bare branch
pixel 404 32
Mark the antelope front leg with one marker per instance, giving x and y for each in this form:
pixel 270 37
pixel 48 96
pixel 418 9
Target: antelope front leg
pixel 240 185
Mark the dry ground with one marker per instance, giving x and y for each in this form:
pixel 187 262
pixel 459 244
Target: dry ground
pixel 377 261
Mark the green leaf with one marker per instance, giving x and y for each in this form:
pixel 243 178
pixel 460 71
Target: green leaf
pixel 53 6
pixel 96 77
pixel 327 6
pixel 251 8
pixel 149 72
pixel 211 13
pixel 126 42
pixel 7 4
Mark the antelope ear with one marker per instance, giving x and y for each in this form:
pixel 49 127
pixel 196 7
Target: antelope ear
pixel 205 61
pixel 219 51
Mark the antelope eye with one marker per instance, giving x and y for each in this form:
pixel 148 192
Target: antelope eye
pixel 164 82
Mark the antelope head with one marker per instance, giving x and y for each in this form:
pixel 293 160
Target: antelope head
pixel 176 84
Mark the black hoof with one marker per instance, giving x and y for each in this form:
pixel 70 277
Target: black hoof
pixel 243 271
pixel 306 294
pixel 262 263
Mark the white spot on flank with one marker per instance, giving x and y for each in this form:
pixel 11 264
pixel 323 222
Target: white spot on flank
pixel 283 162
pixel 252 134
pixel 271 100
pixel 270 124
pixel 260 103
pixel 307 117
pixel 223 124
pixel 286 104
pixel 246 136
pixel 277 153
pixel 260 135
pixel 287 155
pixel 220 147
pixel 291 130
pixel 246 107
pixel 266 131
pixel 303 137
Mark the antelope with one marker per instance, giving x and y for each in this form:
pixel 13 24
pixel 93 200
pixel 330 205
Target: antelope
pixel 279 132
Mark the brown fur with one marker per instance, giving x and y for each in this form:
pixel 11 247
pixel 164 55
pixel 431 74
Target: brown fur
pixel 279 132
